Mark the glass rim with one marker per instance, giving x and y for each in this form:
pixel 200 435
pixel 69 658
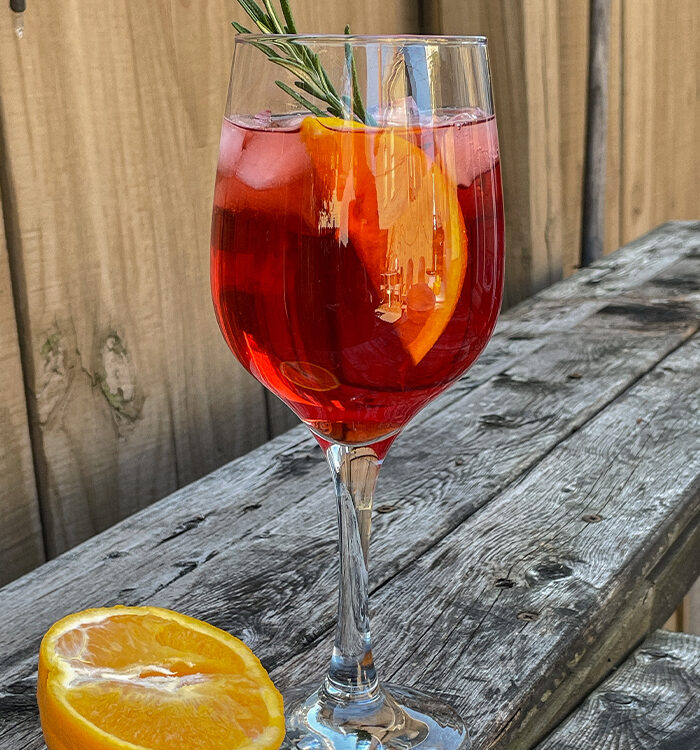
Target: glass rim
pixel 407 39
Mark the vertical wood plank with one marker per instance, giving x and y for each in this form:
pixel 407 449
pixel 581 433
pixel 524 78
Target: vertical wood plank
pixel 21 544
pixel 595 165
pixel 573 64
pixel 613 178
pixel 112 116
pixel 541 31
pixel 524 52
pixel 661 113
pixel 133 391
pixel 638 61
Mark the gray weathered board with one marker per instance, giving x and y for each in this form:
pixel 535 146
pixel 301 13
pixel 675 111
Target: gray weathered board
pixel 651 702
pixel 531 526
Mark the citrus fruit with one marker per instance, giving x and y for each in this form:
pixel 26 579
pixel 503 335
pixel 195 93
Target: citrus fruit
pixel 137 678
pixel 398 207
pixel 309 376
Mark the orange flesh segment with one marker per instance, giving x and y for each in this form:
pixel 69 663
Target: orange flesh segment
pixel 399 209
pixel 141 677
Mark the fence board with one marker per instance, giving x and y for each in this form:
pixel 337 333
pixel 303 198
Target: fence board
pixel 21 544
pixel 111 115
pixel 573 67
pixel 613 184
pixel 525 51
pixel 660 113
pixel 654 108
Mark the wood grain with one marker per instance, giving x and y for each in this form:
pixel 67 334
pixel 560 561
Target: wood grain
pixel 573 66
pixel 517 427
pixel 660 113
pixel 21 543
pixel 115 274
pixel 110 127
pixel 613 178
pixel 595 166
pixel 111 116
pixel 651 701
pixel 524 49
pixel 650 145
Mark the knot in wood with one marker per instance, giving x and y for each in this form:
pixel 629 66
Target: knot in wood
pixel 527 616
pixel 115 555
pixel 622 699
pixel 591 518
pixel 504 583
pixel 552 571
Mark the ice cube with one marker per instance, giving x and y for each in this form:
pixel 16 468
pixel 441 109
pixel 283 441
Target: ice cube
pixel 402 111
pixel 468 147
pixel 460 117
pixel 267 121
pixel 271 159
pixel 288 122
pixel 230 147
pixel 263 119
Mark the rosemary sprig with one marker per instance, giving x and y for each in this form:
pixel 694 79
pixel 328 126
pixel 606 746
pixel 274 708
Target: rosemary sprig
pixel 358 105
pixel 299 59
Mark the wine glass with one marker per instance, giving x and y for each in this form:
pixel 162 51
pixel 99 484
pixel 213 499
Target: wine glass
pixel 357 271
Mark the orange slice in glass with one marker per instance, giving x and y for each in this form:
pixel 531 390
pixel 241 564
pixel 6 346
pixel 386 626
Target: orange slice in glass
pixel 131 678
pixel 309 376
pixel 398 207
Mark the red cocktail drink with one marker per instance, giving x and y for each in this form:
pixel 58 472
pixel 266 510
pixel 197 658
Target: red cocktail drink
pixel 357 271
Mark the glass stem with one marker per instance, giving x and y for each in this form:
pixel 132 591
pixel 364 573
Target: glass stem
pixel 351 675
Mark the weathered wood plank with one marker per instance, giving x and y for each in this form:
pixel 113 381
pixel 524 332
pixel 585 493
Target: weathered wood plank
pixel 618 273
pixel 651 701
pixel 21 543
pixel 187 558
pixel 284 464
pixel 111 118
pixel 542 591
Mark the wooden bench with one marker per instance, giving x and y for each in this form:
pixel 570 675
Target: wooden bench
pixel 532 525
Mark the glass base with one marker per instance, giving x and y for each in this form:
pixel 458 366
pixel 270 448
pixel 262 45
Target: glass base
pixel 390 718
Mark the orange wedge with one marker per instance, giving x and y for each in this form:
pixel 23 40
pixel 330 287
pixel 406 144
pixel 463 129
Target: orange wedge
pixel 137 678
pixel 399 209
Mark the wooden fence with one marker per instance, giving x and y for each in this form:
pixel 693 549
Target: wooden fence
pixel 116 384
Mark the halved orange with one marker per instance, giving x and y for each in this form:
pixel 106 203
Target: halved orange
pixel 399 208
pixel 137 678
